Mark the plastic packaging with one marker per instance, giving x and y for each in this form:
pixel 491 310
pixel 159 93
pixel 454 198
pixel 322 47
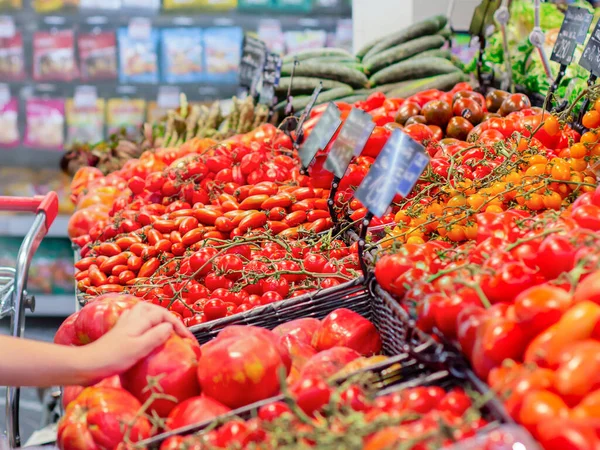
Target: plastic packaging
pixel 222 51
pixel 85 123
pixel 182 55
pixel 45 121
pixel 9 128
pixel 269 31
pixel 98 56
pixel 12 61
pixel 54 56
pixel 296 41
pixel 138 60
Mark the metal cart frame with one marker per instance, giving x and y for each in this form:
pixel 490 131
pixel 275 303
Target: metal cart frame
pixel 13 285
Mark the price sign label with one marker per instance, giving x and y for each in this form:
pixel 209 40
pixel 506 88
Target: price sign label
pixel 483 16
pixel 168 97
pixel 411 175
pixel 270 78
pixel 388 172
pixel 573 31
pixel 590 59
pixel 309 107
pixel 350 142
pixel 254 53
pixel 321 134
pixel 85 96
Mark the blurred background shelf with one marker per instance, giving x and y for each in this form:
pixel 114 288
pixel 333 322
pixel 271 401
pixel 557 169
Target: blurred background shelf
pixel 18 225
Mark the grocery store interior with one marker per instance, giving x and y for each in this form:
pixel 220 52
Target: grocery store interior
pixel 419 176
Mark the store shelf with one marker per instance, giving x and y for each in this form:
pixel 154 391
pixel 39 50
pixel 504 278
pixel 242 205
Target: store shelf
pixel 18 225
pixel 53 305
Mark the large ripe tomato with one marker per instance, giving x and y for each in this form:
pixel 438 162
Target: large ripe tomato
pixel 100 418
pixel 301 329
pixel 541 306
pixel 169 369
pixel 95 319
pixel 555 256
pixel 539 407
pixel 329 362
pixel 300 353
pixel 195 410
pixel 82 179
pixel 70 393
pixel 588 289
pixel 82 220
pixel 239 370
pixel 562 434
pixel 389 268
pixel 346 328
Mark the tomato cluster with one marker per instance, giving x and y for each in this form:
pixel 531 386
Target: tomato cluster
pixel 353 418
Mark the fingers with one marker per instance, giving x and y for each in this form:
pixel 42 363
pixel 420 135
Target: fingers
pixel 144 316
pixel 153 338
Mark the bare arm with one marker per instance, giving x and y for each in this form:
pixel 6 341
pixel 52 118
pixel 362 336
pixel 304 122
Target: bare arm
pixel 24 362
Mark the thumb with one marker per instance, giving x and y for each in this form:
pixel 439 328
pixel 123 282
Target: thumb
pixel 153 338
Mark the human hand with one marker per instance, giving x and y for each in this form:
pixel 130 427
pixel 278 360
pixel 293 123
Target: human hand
pixel 138 331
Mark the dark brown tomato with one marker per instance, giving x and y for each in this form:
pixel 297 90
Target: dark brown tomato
pixel 468 108
pixel 494 99
pixel 458 128
pixel 406 111
pixel 515 102
pixel 437 112
pixel 489 115
pixel 416 119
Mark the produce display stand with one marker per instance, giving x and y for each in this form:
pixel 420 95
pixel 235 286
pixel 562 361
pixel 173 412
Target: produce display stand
pixel 14 299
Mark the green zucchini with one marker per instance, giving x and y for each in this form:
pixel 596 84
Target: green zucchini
pixel 305 85
pixel 435 53
pixel 366 48
pixel 402 51
pixel 354 98
pixel 443 82
pixel 336 59
pixel 299 103
pixel 423 28
pixel 330 71
pixel 316 53
pixel 445 32
pixel 412 69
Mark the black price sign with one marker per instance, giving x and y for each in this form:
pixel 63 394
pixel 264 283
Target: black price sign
pixel 590 59
pixel 483 16
pixel 350 142
pixel 321 134
pixel 309 107
pixel 573 31
pixel 387 174
pixel 270 78
pixel 251 65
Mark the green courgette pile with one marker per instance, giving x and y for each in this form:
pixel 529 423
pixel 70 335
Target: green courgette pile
pixel 400 64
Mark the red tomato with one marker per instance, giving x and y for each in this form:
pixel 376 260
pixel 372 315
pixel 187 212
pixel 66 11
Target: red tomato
pixel 195 410
pixel 311 394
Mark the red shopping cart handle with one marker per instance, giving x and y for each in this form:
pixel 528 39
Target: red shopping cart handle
pixel 48 204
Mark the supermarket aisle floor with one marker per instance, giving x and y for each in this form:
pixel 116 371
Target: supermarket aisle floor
pixel 31 408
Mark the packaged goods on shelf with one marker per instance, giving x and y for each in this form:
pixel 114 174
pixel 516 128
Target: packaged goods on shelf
pixel 11 4
pixel 100 4
pixel 12 59
pixel 9 127
pixel 200 4
pixel 182 55
pixel 294 6
pixel 45 121
pixel 125 113
pixel 146 4
pixel 138 59
pixel 259 5
pixel 97 56
pixel 296 41
pixel 222 48
pixel 54 56
pixel 269 31
pixel 85 123
pixel 44 6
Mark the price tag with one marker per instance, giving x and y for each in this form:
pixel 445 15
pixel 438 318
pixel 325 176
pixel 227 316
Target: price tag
pixel 590 59
pixel 321 134
pixel 4 94
pixel 140 28
pixel 411 175
pixel 7 27
pixel 573 31
pixel 385 176
pixel 350 142
pixel 483 16
pixel 168 97
pixel 85 96
pixel 254 53
pixel 270 78
pixel 309 107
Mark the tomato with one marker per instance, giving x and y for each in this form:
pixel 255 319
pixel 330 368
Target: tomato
pixel 247 370
pixel 328 362
pixel 215 309
pixel 200 262
pixel 173 367
pixel 195 410
pixel 101 417
pixel 254 220
pixel 346 328
pixel 273 411
pixel 302 329
pixel 540 406
pixel 588 289
pixel 311 394
pixel 70 393
pixel 279 285
pixel 149 268
pixel 94 320
pixel 541 306
pixel 579 370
